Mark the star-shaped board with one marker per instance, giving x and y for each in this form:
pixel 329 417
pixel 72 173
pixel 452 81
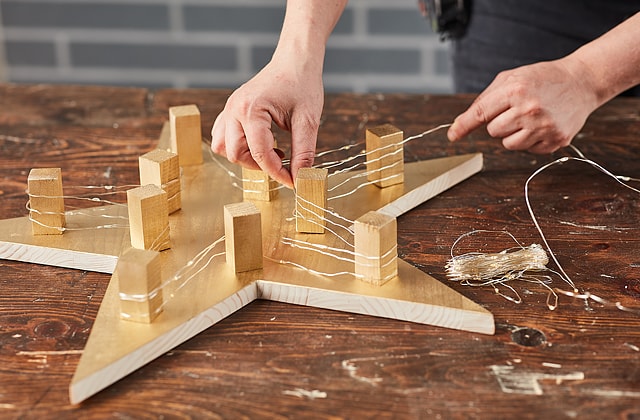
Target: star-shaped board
pixel 207 290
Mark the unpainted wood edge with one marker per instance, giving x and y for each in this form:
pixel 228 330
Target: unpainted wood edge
pixel 56 257
pixel 480 321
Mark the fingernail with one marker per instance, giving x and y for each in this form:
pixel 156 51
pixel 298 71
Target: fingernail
pixel 451 135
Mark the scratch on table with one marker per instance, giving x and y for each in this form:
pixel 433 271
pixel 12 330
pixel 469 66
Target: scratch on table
pixel 303 393
pixel 204 352
pixel 518 382
pixel 632 346
pixel 594 227
pixel 7 406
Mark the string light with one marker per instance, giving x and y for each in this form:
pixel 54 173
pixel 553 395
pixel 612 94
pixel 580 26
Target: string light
pixel 495 270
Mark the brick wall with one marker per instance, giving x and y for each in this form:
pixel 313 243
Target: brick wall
pixel 378 45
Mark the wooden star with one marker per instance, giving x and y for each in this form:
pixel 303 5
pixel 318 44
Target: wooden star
pixel 207 290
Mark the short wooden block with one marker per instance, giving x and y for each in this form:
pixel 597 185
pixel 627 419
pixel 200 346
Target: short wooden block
pixel 257 185
pixel 385 155
pixel 186 134
pixel 148 217
pixel 376 247
pixel 139 285
pixel 46 201
pixel 162 168
pixel 311 200
pixel 243 236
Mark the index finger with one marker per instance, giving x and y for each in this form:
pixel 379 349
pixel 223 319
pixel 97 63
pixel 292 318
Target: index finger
pixel 260 141
pixel 485 108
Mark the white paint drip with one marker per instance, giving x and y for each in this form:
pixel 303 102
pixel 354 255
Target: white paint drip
pixel 303 393
pixel 48 353
pixel 612 393
pixel 552 365
pixel 512 382
pixel 350 365
pixel 40 357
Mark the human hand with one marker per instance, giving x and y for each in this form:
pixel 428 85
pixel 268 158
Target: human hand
pixel 539 107
pixel 288 92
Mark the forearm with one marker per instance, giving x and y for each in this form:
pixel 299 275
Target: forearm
pixel 610 64
pixel 306 28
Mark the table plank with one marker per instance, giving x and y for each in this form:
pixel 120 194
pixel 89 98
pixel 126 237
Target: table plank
pixel 275 360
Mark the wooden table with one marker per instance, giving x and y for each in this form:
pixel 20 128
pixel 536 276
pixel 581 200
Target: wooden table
pixel 581 360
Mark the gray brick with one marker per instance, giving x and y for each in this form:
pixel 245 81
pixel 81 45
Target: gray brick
pixel 91 82
pixel 236 19
pixel 356 60
pixel 397 22
pixel 345 24
pixel 372 61
pixel 246 19
pixel 82 15
pixel 26 53
pixel 260 56
pixel 443 62
pixel 174 57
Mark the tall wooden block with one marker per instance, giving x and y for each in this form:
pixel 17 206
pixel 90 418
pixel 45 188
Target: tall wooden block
pixel 186 134
pixel 160 167
pixel 46 201
pixel 148 217
pixel 243 236
pixel 139 285
pixel 257 185
pixel 385 155
pixel 311 200
pixel 376 247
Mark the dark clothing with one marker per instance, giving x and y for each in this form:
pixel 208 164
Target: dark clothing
pixel 504 34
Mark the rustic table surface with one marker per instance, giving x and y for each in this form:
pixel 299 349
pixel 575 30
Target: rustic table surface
pixel 273 360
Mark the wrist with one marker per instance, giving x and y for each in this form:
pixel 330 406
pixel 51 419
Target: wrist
pixel 594 92
pixel 306 29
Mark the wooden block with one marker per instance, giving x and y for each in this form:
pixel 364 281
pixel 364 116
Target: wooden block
pixel 46 201
pixel 186 134
pixel 139 285
pixel 376 247
pixel 385 155
pixel 243 236
pixel 257 185
pixel 311 200
pixel 148 217
pixel 162 168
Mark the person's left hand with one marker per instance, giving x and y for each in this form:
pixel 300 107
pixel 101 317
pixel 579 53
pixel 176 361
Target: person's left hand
pixel 539 107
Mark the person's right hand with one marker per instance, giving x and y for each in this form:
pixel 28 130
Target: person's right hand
pixel 289 92
pixel 539 107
